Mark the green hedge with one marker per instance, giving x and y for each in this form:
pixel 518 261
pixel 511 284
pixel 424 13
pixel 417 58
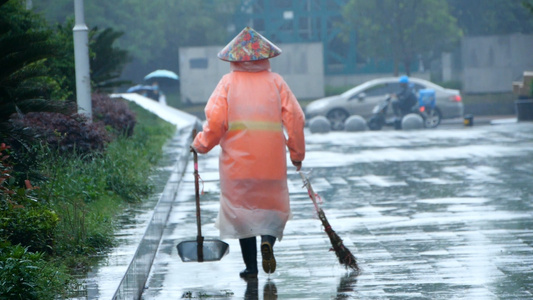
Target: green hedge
pixel 531 88
pixel 53 227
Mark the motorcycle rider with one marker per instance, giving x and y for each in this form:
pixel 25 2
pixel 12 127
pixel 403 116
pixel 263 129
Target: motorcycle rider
pixel 405 99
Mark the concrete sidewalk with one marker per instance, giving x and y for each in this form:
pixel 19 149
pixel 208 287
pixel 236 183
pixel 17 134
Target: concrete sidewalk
pixel 432 214
pixel 301 255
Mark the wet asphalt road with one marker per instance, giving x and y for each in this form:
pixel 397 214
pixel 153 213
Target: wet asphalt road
pixel 429 214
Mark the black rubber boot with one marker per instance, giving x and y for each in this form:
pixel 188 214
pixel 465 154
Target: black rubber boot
pixel 267 251
pixel 249 256
pixel 268 238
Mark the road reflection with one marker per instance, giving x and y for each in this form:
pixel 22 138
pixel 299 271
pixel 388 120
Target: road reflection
pixel 252 289
pixel 270 291
pixel 347 285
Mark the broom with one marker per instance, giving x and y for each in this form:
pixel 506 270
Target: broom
pixel 344 255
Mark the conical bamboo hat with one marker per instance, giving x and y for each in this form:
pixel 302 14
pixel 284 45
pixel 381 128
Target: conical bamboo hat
pixel 249 45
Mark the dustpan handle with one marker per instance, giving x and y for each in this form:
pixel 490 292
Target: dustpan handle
pixel 200 238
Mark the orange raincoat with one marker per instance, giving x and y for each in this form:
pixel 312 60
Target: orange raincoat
pixel 247 114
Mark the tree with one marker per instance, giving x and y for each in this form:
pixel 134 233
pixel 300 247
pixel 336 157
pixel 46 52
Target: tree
pixel 106 61
pixel 154 30
pixel 25 84
pixel 528 5
pixel 492 17
pixel 37 62
pixel 37 72
pixel 401 29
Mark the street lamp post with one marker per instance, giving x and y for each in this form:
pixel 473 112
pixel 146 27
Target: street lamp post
pixel 81 60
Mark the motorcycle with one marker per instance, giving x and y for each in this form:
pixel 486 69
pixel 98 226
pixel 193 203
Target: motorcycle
pixel 426 108
pixel 379 116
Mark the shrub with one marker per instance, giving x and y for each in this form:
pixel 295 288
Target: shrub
pixel 24 158
pixel 531 88
pixel 31 227
pixel 4 172
pixel 26 275
pixel 452 84
pixel 73 133
pixel 82 194
pixel 66 133
pixel 114 113
pixel 336 90
pixel 23 219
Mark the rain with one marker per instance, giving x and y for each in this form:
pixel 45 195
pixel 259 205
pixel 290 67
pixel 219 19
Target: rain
pixel 429 213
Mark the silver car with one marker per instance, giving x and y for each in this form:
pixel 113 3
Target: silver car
pixel 361 100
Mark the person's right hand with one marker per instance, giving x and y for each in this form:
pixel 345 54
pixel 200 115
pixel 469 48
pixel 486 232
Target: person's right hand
pixel 297 164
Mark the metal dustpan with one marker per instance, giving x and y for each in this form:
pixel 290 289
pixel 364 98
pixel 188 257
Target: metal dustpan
pixel 201 249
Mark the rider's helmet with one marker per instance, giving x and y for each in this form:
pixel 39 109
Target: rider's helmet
pixel 404 79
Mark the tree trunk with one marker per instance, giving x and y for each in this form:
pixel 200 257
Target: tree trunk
pixel 407 66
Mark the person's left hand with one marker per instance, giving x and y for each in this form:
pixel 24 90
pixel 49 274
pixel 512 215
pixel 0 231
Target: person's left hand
pixel 297 164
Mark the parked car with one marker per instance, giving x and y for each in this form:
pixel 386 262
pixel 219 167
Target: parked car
pixel 361 100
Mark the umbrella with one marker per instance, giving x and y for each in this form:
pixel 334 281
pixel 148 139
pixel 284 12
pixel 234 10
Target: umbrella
pixel 161 74
pixel 140 88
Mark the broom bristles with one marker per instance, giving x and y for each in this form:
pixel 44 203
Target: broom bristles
pixel 345 257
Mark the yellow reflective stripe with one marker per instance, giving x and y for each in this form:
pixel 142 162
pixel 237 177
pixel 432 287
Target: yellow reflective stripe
pixel 255 125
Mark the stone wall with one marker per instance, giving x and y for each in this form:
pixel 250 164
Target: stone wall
pixel 492 63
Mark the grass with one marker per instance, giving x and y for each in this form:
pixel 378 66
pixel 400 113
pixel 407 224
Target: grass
pixel 88 192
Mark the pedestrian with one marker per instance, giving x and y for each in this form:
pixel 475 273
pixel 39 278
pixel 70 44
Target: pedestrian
pixel 246 115
pixel 154 92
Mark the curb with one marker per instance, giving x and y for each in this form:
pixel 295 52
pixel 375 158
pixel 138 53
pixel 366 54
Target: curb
pixel 132 284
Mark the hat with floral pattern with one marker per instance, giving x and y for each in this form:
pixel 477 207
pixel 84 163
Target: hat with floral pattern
pixel 249 45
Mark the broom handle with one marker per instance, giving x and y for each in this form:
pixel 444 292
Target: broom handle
pixel 199 239
pixel 197 194
pixel 309 190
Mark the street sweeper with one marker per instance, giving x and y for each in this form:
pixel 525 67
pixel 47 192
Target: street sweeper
pixel 246 115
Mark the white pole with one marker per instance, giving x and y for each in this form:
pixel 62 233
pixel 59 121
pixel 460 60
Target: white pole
pixel 81 59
